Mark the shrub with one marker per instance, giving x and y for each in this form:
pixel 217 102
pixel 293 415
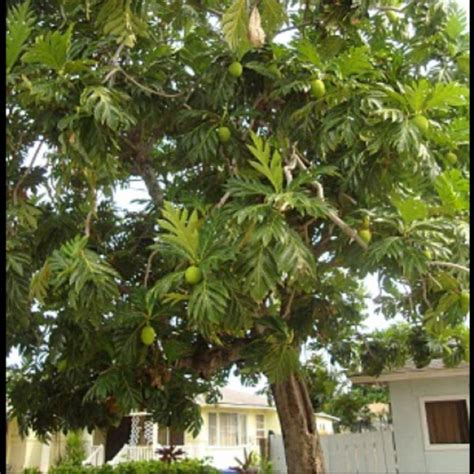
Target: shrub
pixel 68 468
pixel 248 465
pixel 31 470
pixel 170 453
pixel 75 452
pixel 187 466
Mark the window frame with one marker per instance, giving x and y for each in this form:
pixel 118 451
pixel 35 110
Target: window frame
pixel 424 422
pixel 218 427
pixel 168 436
pixel 166 430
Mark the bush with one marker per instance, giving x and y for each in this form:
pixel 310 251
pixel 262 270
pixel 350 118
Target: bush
pixel 187 466
pixel 68 468
pixel 75 451
pixel 31 470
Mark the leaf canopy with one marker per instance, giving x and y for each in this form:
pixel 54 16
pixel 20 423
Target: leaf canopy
pixel 101 95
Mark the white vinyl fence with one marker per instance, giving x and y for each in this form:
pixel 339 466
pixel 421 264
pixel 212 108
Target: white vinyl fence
pixel 352 453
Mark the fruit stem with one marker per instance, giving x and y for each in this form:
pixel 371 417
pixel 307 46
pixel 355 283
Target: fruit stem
pixel 224 115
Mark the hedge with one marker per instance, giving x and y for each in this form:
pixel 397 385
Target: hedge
pixel 187 466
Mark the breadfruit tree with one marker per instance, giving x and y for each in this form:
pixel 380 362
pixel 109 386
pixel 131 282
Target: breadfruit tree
pixel 280 173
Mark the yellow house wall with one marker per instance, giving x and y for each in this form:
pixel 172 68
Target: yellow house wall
pixel 30 452
pixel 16 447
pixel 23 452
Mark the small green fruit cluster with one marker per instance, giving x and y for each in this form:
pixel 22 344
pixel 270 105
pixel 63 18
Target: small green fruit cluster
pixel 224 134
pixel 193 275
pixel 235 69
pixel 463 63
pixel 318 89
pixel 365 235
pixel 148 335
pixel 421 122
pixel 392 16
pixel 465 300
pixel 451 158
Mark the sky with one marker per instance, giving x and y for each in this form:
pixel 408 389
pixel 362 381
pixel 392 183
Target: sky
pixel 466 5
pixel 125 196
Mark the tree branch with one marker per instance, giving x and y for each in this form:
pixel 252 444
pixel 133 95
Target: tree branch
pixel 148 89
pixel 289 168
pixel 206 364
pixel 348 230
pixel 91 214
pixel 424 294
pixel 295 27
pixel 223 200
pixel 288 305
pixel 148 267
pixel 139 85
pixel 148 174
pixel 26 173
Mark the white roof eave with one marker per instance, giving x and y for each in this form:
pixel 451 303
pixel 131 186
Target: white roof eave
pixel 410 375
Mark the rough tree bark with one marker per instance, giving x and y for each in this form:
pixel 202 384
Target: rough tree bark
pixel 303 450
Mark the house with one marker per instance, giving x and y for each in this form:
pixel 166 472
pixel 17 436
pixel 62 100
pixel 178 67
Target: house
pixel 31 452
pixel 239 420
pixel 430 415
pixel 325 423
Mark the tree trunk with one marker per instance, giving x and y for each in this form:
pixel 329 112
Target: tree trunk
pixel 303 450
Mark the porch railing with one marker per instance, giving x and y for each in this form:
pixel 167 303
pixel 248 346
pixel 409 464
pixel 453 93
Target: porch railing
pixel 96 456
pixel 222 456
pixel 121 456
pixel 140 453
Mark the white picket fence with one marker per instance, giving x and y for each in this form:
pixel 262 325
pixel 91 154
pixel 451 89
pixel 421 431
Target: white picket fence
pixel 352 453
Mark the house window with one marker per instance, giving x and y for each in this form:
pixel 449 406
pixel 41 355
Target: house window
pixel 170 436
pixel 260 426
pixel 227 429
pixel 446 421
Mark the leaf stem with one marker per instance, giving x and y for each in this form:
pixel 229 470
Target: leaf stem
pixel 450 265
pixel 348 230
